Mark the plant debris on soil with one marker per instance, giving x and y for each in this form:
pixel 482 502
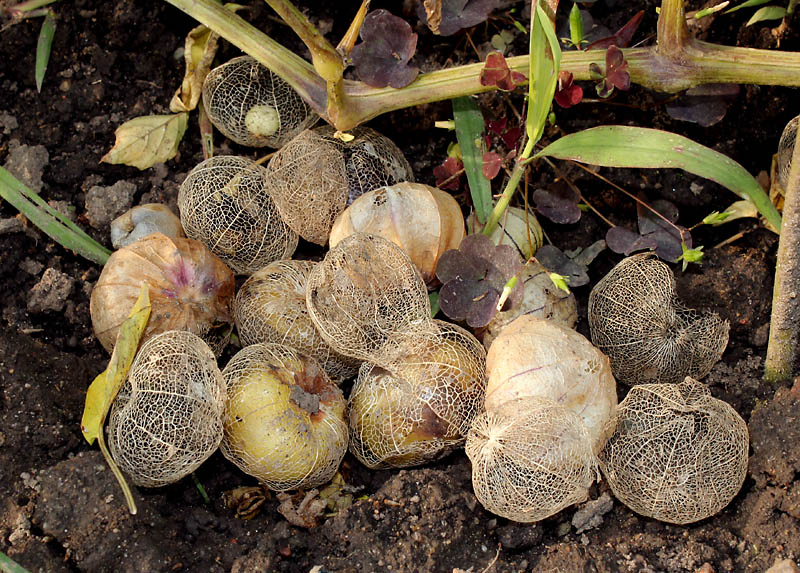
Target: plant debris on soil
pixel 60 506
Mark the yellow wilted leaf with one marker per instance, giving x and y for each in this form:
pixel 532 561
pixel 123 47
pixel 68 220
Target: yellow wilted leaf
pixel 201 46
pixel 144 141
pixel 105 387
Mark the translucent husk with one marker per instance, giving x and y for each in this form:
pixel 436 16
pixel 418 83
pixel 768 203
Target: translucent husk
pixel 284 418
pixel 419 407
pixel 252 106
pixel 143 220
pixel 225 203
pixel 167 417
pixel 271 307
pixel 190 289
pixel 636 318
pixel 531 458
pixel 678 454
pixel 423 221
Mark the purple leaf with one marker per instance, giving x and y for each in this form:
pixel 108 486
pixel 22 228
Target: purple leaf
pixel 559 203
pixel 382 57
pixel 617 69
pixel 460 14
pixel 704 105
pixel 567 93
pixel 555 261
pixel 622 240
pixel 622 37
pixel 649 222
pixel 496 72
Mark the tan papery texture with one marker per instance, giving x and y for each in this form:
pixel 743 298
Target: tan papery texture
pixel 678 454
pixel 167 418
pixel 190 289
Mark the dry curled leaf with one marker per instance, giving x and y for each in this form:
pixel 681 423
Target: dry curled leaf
pixel 451 16
pixel 199 52
pixel 146 140
pixel 433 14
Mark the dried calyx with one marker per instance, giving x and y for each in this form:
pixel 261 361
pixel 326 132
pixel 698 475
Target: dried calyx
pixel 420 406
pixel 144 220
pixel 252 106
pixel 423 221
pixel 167 417
pixel 225 203
pixel 364 294
pixel 315 176
pixel 637 320
pixel 190 289
pixel 678 454
pixel 271 307
pixel 284 418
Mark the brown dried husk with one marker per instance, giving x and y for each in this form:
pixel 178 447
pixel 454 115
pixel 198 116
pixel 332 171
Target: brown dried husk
pixel 363 294
pixel 190 289
pixel 785 150
pixel 284 418
pixel 231 90
pixel 540 299
pixel 423 221
pixel 271 307
pixel 541 358
pixel 636 318
pixel 225 203
pixel 308 181
pixel 371 160
pixel 420 407
pixel 678 454
pixel 144 220
pixel 167 418
pixel 531 458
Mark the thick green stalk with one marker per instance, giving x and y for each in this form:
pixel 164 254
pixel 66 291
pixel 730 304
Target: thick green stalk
pixel 698 63
pixel 673 34
pixel 784 327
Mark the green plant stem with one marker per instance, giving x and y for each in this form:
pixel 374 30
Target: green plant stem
pixel 784 327
pixel 8 565
pixel 53 223
pixel 126 490
pixel 698 63
pixel 673 34
pixel 502 203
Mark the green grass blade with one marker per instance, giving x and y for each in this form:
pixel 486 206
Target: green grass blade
pixel 623 146
pixel 8 565
pixel 747 4
pixel 54 224
pixel 767 13
pixel 43 47
pixel 469 132
pixel 543 74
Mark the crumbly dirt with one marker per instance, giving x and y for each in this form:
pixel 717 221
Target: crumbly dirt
pixel 60 506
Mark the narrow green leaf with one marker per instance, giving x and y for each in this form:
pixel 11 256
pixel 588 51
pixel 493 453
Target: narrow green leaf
pixel 575 26
pixel 623 146
pixel 469 132
pixel 543 74
pixel 767 13
pixel 54 224
pixel 747 4
pixel 144 141
pixel 8 565
pixel 43 47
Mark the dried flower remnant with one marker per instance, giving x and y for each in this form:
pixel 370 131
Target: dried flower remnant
pixel 419 407
pixel 423 221
pixel 284 418
pixel 252 106
pixel 167 417
pixel 271 307
pixel 637 320
pixel 226 204
pixel 678 454
pixel 190 288
pixel 144 220
pixel 531 458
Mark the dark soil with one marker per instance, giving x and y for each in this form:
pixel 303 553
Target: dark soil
pixel 60 507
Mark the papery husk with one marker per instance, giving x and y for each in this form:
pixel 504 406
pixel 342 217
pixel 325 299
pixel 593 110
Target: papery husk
pixel 423 221
pixel 190 289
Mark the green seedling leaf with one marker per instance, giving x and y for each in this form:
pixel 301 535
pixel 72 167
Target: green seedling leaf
pixel 560 281
pixel 624 146
pixel 8 565
pixel 144 141
pixel 690 255
pixel 715 218
pixel 104 388
pixel 469 130
pixel 575 26
pixel 767 13
pixel 43 47
pixel 748 4
pixel 199 52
